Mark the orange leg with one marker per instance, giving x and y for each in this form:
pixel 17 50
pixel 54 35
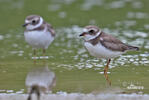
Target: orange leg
pixel 34 52
pixel 105 72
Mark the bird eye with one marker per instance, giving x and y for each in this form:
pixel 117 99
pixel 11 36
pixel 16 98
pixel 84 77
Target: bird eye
pixel 91 31
pixel 33 21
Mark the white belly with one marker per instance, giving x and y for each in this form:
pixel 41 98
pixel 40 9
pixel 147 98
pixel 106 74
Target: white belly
pixel 38 39
pixel 100 51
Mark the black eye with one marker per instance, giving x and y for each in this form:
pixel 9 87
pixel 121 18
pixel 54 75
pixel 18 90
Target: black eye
pixel 91 31
pixel 33 21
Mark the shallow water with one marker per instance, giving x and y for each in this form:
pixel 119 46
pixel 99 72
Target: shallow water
pixel 76 71
pixel 77 96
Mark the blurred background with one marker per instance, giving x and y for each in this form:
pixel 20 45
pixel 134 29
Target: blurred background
pixel 75 69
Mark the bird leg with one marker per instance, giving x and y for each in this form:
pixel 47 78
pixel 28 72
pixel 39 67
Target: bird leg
pixel 44 52
pixel 44 57
pixel 105 72
pixel 34 52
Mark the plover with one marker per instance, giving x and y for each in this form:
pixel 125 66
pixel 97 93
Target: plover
pixel 40 80
pixel 102 45
pixel 38 33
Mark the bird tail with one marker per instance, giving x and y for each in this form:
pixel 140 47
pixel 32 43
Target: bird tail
pixel 133 48
pixel 34 89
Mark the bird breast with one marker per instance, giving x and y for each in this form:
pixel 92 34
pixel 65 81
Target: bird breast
pixel 38 39
pixel 100 51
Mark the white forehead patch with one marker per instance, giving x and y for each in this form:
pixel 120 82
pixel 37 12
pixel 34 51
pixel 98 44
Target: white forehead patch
pixel 27 21
pixel 85 30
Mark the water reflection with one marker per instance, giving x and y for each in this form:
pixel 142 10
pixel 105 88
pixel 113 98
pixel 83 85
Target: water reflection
pixel 40 80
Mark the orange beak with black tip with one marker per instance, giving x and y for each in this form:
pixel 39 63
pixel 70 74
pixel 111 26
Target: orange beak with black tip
pixel 83 34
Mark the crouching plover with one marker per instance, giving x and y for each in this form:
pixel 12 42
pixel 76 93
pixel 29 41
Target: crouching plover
pixel 102 45
pixel 38 33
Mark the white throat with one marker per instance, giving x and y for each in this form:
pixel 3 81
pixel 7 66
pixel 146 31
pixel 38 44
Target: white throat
pixel 31 27
pixel 90 37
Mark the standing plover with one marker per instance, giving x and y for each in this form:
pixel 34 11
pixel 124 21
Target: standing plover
pixel 38 33
pixel 102 45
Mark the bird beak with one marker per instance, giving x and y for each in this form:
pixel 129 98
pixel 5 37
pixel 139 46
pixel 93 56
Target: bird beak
pixel 24 25
pixel 83 34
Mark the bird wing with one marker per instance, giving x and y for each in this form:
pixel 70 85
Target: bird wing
pixel 50 29
pixel 112 43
